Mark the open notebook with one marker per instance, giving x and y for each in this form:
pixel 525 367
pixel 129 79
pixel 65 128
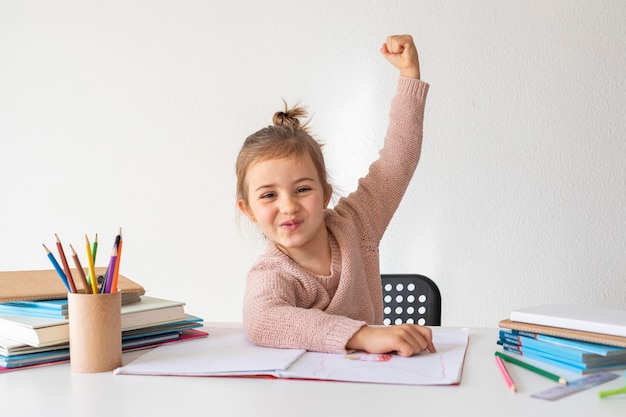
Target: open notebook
pixel 227 352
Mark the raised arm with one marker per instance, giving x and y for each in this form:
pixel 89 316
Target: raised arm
pixel 405 339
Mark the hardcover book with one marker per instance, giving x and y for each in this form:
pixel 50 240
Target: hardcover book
pixel 574 317
pixel 46 285
pixel 564 333
pixel 41 331
pixel 54 356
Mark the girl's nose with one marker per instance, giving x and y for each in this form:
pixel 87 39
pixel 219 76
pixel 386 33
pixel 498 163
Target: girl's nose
pixel 288 205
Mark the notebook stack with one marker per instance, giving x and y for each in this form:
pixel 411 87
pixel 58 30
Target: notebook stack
pixel 34 321
pixel 577 339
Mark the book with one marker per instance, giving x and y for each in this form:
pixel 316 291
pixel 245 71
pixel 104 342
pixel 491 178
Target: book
pixel 46 285
pixel 15 361
pixel 151 311
pixel 54 309
pixel 586 349
pixel 577 354
pixel 56 356
pixel 579 368
pixel 537 329
pixel 11 347
pixel 229 353
pixel 574 317
pixel 41 331
pixel 589 364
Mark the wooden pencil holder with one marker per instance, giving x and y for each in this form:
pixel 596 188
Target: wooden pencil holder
pixel 95 331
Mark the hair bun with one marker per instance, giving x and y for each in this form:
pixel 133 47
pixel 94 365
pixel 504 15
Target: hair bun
pixel 290 117
pixel 282 118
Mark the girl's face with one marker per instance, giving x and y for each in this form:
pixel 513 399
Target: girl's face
pixel 286 199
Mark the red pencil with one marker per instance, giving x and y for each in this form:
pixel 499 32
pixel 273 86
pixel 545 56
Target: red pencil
pixel 506 375
pixel 66 267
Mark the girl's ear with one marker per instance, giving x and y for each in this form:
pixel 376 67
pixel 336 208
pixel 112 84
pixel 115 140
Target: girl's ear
pixel 246 210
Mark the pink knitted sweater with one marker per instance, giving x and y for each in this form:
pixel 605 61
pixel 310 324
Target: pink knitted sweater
pixel 289 307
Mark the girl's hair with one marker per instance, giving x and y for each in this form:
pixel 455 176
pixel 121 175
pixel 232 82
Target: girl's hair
pixel 288 137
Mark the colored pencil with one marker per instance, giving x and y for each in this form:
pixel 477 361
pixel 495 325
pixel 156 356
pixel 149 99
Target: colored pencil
pixel 94 249
pixel 110 270
pixel 107 278
pixel 117 263
pixel 57 267
pixel 81 273
pixel 92 271
pixel 66 267
pixel 505 374
pixel 532 368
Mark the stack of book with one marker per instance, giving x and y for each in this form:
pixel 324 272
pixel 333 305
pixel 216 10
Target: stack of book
pixel 578 339
pixel 34 321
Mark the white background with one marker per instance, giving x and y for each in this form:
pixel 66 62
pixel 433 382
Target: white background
pixel 131 114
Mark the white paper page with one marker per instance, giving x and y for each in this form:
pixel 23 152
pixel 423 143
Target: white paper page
pixel 441 368
pixel 229 352
pixel 224 352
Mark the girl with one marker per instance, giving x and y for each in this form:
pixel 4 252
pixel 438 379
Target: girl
pixel 318 286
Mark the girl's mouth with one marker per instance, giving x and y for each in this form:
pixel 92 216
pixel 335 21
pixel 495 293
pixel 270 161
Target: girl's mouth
pixel 290 225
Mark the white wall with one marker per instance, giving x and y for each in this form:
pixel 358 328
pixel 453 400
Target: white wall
pixel 131 113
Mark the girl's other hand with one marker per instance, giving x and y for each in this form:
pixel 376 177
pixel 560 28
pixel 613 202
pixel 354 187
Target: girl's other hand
pixel 400 51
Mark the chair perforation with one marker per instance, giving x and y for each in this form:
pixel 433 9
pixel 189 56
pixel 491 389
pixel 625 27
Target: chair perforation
pixel 410 299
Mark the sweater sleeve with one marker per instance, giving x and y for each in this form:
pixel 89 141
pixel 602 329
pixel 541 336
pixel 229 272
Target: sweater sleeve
pixel 380 192
pixel 286 307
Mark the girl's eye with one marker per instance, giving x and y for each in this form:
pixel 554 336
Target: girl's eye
pixel 268 195
pixel 303 190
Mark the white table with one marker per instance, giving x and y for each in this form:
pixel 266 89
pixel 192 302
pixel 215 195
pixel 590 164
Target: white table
pixel 57 391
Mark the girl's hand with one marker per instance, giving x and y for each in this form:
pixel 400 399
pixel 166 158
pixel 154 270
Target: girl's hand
pixel 400 51
pixel 405 339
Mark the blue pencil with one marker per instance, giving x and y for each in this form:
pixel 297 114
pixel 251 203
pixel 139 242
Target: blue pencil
pixel 57 267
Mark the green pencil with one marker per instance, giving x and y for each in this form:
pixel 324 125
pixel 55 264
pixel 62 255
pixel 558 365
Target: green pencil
pixel 531 368
pixel 94 249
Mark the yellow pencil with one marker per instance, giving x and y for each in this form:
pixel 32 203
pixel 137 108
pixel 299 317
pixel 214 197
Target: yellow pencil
pixel 92 271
